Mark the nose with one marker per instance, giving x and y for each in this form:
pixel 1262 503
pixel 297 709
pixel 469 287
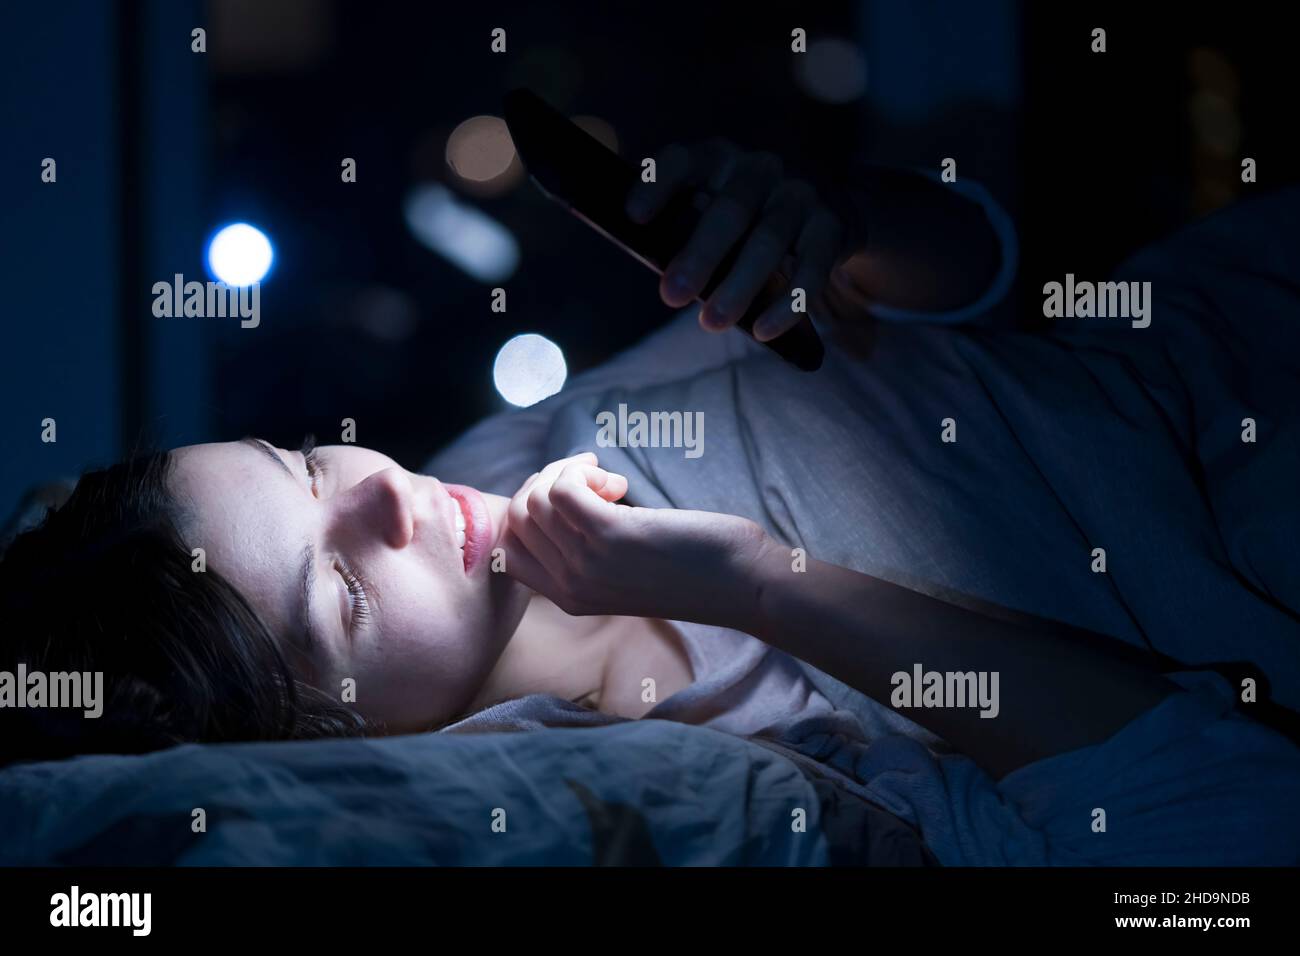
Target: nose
pixel 380 505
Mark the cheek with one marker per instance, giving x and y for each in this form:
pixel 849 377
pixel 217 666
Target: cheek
pixel 431 649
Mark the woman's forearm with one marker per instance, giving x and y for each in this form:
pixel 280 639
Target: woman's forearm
pixel 920 245
pixel 1056 688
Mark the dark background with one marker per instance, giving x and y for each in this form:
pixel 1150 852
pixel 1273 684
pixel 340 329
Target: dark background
pixel 157 146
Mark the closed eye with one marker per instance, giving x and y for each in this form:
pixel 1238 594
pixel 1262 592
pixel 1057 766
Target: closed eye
pixel 358 602
pixel 313 463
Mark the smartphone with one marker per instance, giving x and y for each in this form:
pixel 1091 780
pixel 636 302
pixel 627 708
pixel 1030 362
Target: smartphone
pixel 578 171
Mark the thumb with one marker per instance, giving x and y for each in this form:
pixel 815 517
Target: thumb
pixel 609 485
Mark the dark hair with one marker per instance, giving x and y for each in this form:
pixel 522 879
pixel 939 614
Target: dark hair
pixel 105 584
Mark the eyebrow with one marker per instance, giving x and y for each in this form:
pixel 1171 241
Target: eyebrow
pixel 307 575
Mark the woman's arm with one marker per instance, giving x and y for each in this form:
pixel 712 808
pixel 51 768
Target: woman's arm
pixel 1058 688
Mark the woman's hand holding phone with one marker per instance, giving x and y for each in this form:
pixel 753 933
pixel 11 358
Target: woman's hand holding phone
pixel 570 540
pixel 754 207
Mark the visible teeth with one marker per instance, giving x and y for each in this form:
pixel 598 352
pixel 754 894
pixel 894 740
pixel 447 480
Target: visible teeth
pixel 460 526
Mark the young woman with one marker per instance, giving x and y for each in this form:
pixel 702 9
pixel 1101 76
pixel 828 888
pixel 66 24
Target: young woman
pixel 242 650
pixel 334 565
pixel 342 594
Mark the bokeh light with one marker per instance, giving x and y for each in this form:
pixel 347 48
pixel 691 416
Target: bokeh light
pixel 529 368
pixel 465 236
pixel 240 254
pixel 482 155
pixel 834 70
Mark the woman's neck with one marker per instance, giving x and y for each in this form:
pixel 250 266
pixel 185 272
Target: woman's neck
pixel 550 653
pixel 595 659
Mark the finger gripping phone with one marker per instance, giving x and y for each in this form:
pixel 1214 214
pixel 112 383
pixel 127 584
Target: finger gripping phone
pixel 575 169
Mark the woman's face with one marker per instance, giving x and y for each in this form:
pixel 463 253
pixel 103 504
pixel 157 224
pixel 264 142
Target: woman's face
pixel 356 564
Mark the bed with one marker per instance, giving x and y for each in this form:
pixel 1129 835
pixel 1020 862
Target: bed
pixel 644 793
pixel 1089 435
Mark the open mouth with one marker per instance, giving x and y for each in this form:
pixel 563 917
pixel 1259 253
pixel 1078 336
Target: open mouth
pixel 473 524
pixel 460 525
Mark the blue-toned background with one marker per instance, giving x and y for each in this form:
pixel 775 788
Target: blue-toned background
pixel 157 146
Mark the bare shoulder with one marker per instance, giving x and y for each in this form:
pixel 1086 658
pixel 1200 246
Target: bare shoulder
pixel 647 664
